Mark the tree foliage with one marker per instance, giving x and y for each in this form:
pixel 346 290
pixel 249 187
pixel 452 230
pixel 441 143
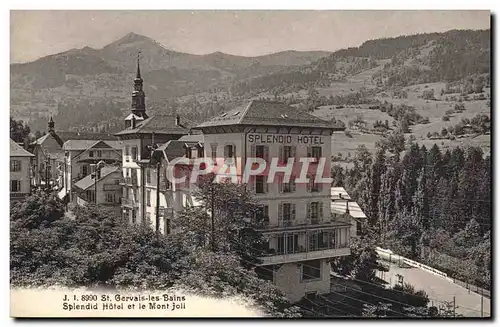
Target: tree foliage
pixel 97 248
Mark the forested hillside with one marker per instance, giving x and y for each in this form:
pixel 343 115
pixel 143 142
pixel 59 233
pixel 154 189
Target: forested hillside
pixel 67 83
pixel 430 205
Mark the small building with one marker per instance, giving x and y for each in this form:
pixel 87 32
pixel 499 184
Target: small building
pixel 20 172
pixel 172 197
pixel 81 156
pixel 49 164
pixel 108 188
pixel 344 207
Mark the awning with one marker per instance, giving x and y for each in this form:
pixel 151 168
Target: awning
pixel 62 193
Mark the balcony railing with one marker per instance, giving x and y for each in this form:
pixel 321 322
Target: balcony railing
pixel 127 202
pixel 267 225
pixel 303 252
pixel 18 195
pixel 129 181
pixel 111 187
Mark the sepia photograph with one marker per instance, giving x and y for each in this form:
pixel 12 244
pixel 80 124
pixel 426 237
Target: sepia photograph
pixel 288 164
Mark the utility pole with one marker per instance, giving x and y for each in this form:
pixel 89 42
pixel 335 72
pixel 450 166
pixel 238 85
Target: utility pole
pixel 482 303
pixel 95 184
pixel 212 214
pixel 47 184
pixel 158 165
pixel 454 307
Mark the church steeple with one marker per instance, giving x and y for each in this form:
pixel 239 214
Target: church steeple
pixel 138 96
pixel 51 124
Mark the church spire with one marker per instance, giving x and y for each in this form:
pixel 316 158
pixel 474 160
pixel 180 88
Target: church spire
pixel 51 124
pixel 138 96
pixel 138 75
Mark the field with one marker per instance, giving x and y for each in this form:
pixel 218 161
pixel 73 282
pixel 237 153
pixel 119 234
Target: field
pixel 433 109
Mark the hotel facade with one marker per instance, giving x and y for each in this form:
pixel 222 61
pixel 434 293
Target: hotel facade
pixel 302 234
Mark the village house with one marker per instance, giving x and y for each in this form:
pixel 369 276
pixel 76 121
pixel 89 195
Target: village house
pixel 81 157
pixel 103 190
pixel 20 172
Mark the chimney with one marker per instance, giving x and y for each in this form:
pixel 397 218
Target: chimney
pixel 347 207
pixel 177 120
pixel 26 143
pixel 340 195
pixel 133 122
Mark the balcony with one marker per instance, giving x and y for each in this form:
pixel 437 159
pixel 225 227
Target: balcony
pixel 128 181
pixel 18 195
pixel 127 202
pixel 302 253
pixel 267 226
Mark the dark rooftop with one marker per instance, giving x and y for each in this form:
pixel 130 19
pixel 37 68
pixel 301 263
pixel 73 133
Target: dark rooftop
pixel 160 124
pixel 269 113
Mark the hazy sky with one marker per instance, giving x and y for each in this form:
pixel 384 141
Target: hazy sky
pixel 36 34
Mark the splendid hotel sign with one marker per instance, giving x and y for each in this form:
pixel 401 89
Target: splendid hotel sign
pixel 284 139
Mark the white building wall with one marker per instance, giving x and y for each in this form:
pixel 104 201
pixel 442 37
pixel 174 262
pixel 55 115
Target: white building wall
pixel 288 278
pixel 23 175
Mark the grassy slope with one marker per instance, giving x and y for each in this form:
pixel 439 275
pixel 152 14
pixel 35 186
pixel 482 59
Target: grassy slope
pixel 435 110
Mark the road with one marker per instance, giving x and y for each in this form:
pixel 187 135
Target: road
pixel 440 289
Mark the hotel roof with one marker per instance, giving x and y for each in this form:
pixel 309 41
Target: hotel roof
pixel 17 151
pixel 270 113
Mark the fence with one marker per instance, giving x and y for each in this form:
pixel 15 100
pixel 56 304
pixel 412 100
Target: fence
pixel 388 255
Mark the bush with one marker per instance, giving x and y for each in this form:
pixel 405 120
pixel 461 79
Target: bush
pixel 445 118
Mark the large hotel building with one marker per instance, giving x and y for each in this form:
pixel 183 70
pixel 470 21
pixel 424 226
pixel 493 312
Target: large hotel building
pixel 303 235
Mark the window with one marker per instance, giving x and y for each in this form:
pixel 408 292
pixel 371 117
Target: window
pixel 109 197
pixel 288 211
pixel 261 151
pixel 229 151
pixel 260 185
pixel 315 211
pixel 99 154
pixel 148 198
pixel 148 218
pixel 134 153
pixel 314 152
pixel 287 152
pixel 288 187
pixel 213 149
pixel 292 243
pixel 311 270
pixel 15 165
pixel 15 186
pixel 148 175
pixel 312 185
pixel 281 244
pixel 127 153
pixel 134 217
pixel 91 154
pixel 263 214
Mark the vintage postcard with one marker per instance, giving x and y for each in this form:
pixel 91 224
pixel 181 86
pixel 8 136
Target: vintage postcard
pixel 285 164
